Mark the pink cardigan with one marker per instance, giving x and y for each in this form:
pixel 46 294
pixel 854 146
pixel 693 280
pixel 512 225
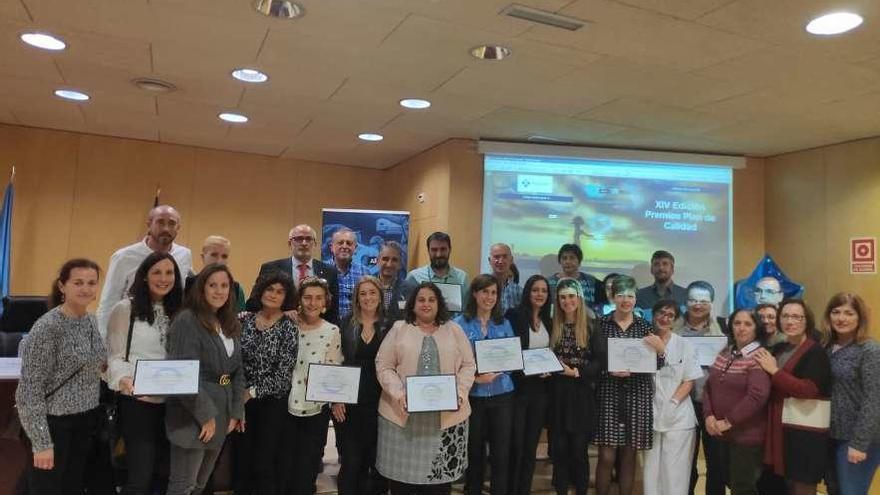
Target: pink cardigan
pixel 398 357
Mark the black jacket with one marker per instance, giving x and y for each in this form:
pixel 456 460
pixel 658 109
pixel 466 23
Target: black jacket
pixel 321 270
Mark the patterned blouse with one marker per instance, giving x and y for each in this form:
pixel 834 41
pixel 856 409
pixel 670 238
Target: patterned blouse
pixel 567 349
pixel 268 355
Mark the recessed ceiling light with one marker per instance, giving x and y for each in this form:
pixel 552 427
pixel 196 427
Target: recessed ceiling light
pixel 69 94
pixel 415 103
pixel 235 118
pixel 835 23
pixel 44 41
pixel 280 9
pixel 491 52
pixel 250 75
pixel 368 136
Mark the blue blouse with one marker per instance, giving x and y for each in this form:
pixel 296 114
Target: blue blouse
pixel 502 384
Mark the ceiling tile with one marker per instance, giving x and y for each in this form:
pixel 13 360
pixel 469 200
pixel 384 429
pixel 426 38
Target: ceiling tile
pixel 809 76
pixel 13 10
pixel 651 115
pixel 646 37
pixel 129 19
pixel 521 124
pixel 684 9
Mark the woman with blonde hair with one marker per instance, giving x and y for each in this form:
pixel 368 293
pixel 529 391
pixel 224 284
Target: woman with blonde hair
pixel 855 394
pixel 572 408
pixel 357 424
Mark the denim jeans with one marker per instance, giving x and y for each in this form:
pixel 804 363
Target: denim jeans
pixel 855 479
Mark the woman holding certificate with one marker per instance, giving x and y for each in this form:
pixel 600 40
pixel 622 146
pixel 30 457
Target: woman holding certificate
pixel 667 465
pixel 734 404
pixel 197 425
pixel 491 397
pixel 855 394
pixel 57 395
pixel 531 323
pixel 573 401
pixel 357 424
pixel 138 329
pixel 268 353
pixel 796 440
pixel 424 452
pixel 626 399
pixel 319 343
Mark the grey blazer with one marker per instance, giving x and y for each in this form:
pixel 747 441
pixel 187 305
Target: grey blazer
pixel 185 415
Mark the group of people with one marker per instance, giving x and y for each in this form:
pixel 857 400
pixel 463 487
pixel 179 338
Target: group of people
pixel 761 410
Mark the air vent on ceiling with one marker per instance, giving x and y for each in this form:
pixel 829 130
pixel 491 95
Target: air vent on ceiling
pixel 543 17
pixel 152 85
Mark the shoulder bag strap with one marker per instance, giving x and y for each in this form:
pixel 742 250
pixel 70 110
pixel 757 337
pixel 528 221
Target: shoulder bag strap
pixel 128 339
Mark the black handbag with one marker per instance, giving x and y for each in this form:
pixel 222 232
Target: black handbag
pixel 109 430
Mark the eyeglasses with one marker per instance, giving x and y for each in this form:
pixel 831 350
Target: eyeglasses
pixel 665 314
pixel 698 302
pixel 793 317
pixel 302 238
pixel 767 292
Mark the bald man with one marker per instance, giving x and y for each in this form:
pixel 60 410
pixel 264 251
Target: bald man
pixel 163 223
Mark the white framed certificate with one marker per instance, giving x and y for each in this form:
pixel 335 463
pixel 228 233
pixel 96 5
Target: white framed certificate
pixel 707 348
pixel 540 361
pixel 632 355
pixel 333 383
pixel 452 295
pixel 10 368
pixel 426 393
pixel 496 355
pixel 166 377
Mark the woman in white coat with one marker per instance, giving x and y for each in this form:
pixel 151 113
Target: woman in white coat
pixel 667 464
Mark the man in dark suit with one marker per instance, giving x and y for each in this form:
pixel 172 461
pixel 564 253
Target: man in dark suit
pixel 302 239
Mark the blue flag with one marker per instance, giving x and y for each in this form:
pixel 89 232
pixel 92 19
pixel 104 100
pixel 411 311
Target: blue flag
pixel 6 240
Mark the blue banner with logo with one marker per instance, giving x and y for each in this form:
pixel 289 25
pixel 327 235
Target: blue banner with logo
pixel 371 228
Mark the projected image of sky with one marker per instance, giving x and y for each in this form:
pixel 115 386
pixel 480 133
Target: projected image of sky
pixel 619 213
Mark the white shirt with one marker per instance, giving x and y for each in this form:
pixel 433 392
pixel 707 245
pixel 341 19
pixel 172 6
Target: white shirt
pixel 120 274
pixel 681 366
pixel 147 342
pixel 539 339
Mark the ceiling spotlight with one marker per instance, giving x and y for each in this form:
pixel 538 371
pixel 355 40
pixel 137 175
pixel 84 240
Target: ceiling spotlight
pixel 415 103
pixel 835 23
pixel 368 136
pixel 152 85
pixel 280 9
pixel 44 41
pixel 69 94
pixel 491 52
pixel 235 118
pixel 250 75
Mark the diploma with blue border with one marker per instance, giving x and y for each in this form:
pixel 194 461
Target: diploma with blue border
pixel 425 393
pixel 632 355
pixel 333 383
pixel 497 355
pixel 166 377
pixel 540 361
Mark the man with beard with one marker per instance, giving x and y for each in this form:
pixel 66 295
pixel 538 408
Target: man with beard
pixel 662 268
pixel 439 270
pixel 343 245
pixel 163 223
pixel 299 265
